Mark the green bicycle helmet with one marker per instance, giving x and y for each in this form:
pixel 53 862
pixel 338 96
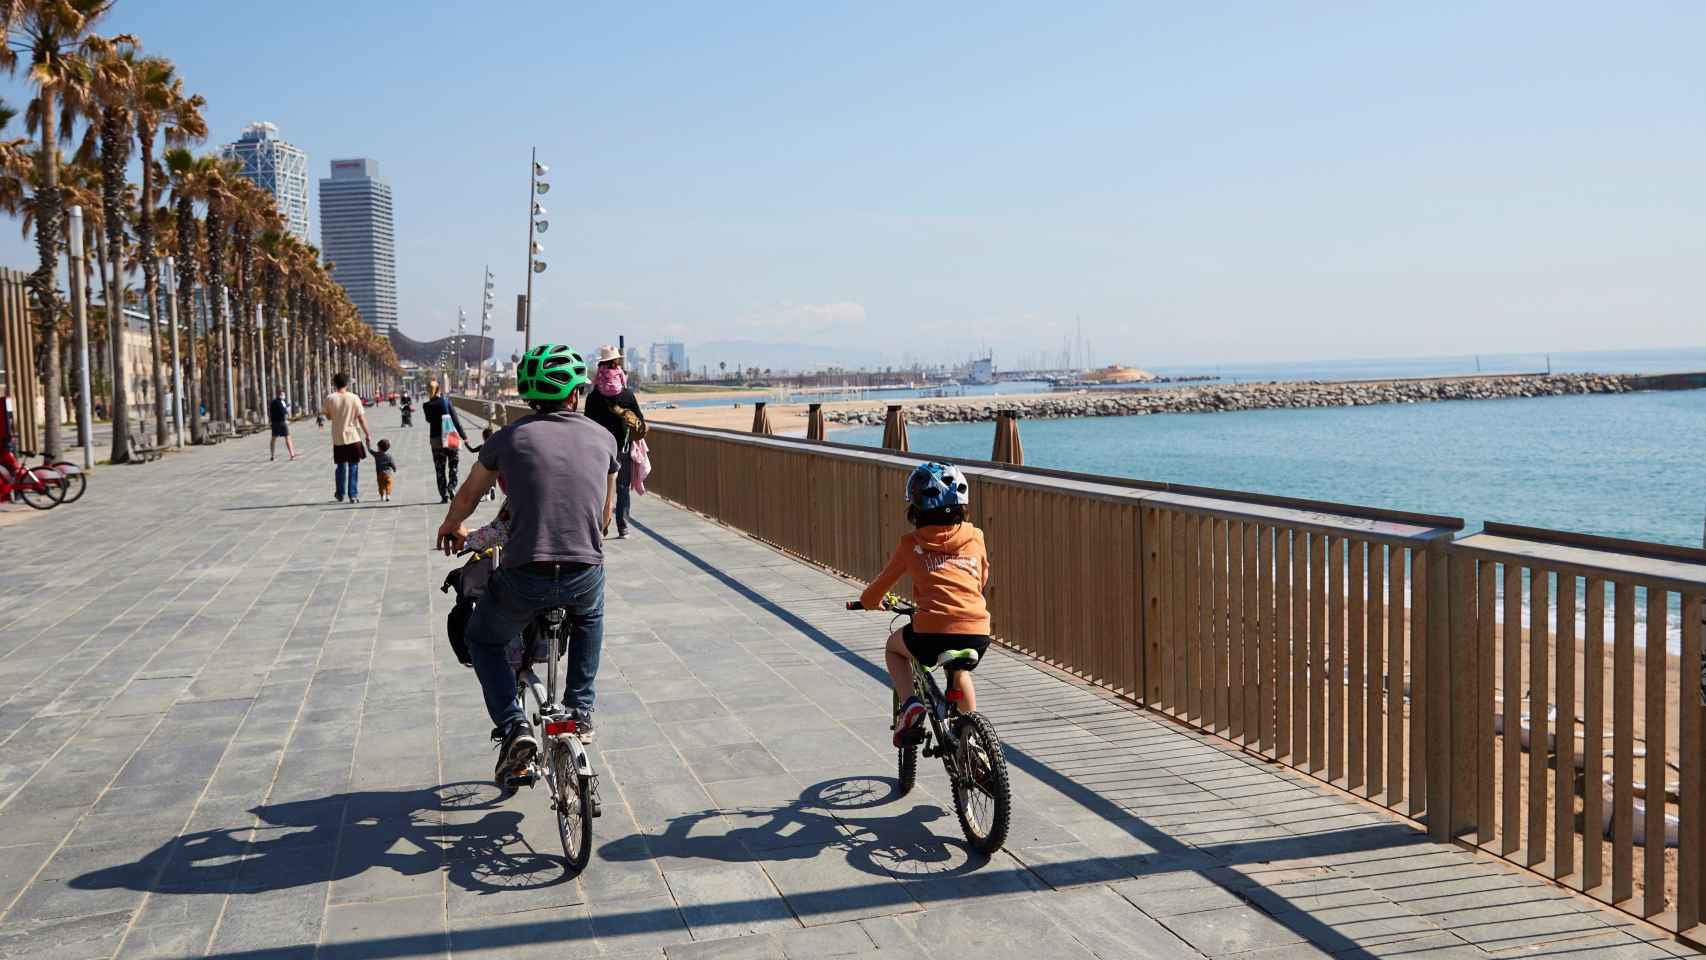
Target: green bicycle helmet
pixel 550 371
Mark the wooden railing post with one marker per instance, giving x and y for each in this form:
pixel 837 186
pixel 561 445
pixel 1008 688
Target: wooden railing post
pixel 814 422
pixel 1007 449
pixel 761 420
pixel 894 429
pixel 1462 766
pixel 1439 690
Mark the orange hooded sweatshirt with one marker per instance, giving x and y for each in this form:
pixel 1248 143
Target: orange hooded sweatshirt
pixel 949 568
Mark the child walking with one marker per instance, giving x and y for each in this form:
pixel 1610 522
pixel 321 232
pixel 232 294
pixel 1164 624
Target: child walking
pixel 385 466
pixel 949 566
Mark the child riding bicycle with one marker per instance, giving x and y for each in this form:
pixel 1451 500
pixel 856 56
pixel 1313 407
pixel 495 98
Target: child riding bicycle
pixel 949 566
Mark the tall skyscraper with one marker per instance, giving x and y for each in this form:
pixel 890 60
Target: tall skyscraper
pixel 358 239
pixel 278 168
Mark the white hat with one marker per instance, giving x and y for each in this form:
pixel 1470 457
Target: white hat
pixel 607 353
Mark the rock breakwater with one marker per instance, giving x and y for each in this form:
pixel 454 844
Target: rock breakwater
pixel 1248 396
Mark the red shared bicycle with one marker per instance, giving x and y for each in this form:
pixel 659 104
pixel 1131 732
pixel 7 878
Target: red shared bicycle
pixel 41 487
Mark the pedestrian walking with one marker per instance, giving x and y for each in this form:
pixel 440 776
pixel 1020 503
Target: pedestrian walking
pixel 612 406
pixel 350 437
pixel 384 467
pixel 278 414
pixel 445 434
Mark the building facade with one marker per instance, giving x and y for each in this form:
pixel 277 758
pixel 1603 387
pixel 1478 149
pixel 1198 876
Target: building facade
pixel 669 361
pixel 358 239
pixel 277 167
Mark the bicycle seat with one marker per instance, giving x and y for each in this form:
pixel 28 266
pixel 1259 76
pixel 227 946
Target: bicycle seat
pixel 950 658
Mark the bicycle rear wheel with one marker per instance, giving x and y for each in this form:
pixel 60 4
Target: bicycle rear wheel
pixel 72 480
pixel 982 797
pixel 573 803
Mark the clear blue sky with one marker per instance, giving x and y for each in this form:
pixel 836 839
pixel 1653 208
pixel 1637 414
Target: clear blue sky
pixel 1202 183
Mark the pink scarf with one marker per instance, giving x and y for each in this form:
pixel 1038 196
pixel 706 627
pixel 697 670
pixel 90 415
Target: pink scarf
pixel 611 380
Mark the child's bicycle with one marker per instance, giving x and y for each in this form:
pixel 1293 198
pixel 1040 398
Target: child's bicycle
pixel 967 743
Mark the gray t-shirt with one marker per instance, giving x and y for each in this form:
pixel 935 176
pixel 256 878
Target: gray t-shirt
pixel 556 467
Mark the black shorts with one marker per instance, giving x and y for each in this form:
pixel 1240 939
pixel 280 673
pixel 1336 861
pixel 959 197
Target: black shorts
pixel 281 429
pixel 927 648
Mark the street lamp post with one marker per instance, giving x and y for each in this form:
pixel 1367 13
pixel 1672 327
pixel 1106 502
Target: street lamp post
pixel 536 224
pixel 177 361
pixel 80 313
pixel 485 328
pixel 461 338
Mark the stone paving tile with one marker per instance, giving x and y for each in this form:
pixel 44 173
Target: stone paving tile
pixel 239 731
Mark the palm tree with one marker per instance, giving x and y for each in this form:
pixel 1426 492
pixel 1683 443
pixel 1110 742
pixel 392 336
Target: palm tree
pixel 15 165
pixel 189 178
pixel 216 225
pixel 49 33
pixel 111 93
pixel 253 212
pixel 158 103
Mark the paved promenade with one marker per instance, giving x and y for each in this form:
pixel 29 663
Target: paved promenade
pixel 230 726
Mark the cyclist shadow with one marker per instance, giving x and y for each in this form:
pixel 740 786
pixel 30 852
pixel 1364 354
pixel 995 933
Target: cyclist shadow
pixel 823 817
pixel 461 828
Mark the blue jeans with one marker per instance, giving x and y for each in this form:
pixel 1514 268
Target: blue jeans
pixel 348 473
pixel 510 601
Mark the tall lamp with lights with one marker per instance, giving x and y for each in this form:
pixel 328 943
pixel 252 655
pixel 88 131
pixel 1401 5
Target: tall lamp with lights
pixel 536 224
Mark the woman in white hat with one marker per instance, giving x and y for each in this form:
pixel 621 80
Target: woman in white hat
pixel 611 405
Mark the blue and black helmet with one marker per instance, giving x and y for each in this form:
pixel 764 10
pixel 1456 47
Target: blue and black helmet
pixel 935 485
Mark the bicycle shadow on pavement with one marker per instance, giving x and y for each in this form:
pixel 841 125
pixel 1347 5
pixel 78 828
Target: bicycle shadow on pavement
pixel 824 816
pixel 461 828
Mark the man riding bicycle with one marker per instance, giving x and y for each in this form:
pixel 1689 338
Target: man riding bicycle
pixel 560 471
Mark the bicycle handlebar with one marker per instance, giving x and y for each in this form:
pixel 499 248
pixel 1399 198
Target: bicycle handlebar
pixel 890 604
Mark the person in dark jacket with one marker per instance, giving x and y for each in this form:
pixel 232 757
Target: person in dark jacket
pixel 445 459
pixel 278 415
pixel 611 405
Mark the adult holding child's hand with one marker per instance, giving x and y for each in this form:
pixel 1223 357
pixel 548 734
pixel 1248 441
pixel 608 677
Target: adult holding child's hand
pixel 350 437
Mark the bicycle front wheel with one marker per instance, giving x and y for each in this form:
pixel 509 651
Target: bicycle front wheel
pixel 573 801
pixel 982 798
pixel 40 494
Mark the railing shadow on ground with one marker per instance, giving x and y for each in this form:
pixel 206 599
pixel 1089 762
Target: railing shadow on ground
pixel 479 845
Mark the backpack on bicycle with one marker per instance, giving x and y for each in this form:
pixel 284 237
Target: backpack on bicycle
pixel 469 581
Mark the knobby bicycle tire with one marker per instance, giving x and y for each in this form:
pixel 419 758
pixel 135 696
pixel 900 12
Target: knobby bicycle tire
pixel 574 808
pixel 907 756
pixel 976 733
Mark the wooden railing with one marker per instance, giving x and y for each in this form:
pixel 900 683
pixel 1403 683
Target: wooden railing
pixel 1367 648
pixel 1285 626
pixel 1565 655
pixel 1301 635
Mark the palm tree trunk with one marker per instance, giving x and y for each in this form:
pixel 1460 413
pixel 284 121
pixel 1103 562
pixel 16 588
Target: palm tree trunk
pixel 115 141
pixel 185 268
pixel 151 280
pixel 118 408
pixel 45 282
